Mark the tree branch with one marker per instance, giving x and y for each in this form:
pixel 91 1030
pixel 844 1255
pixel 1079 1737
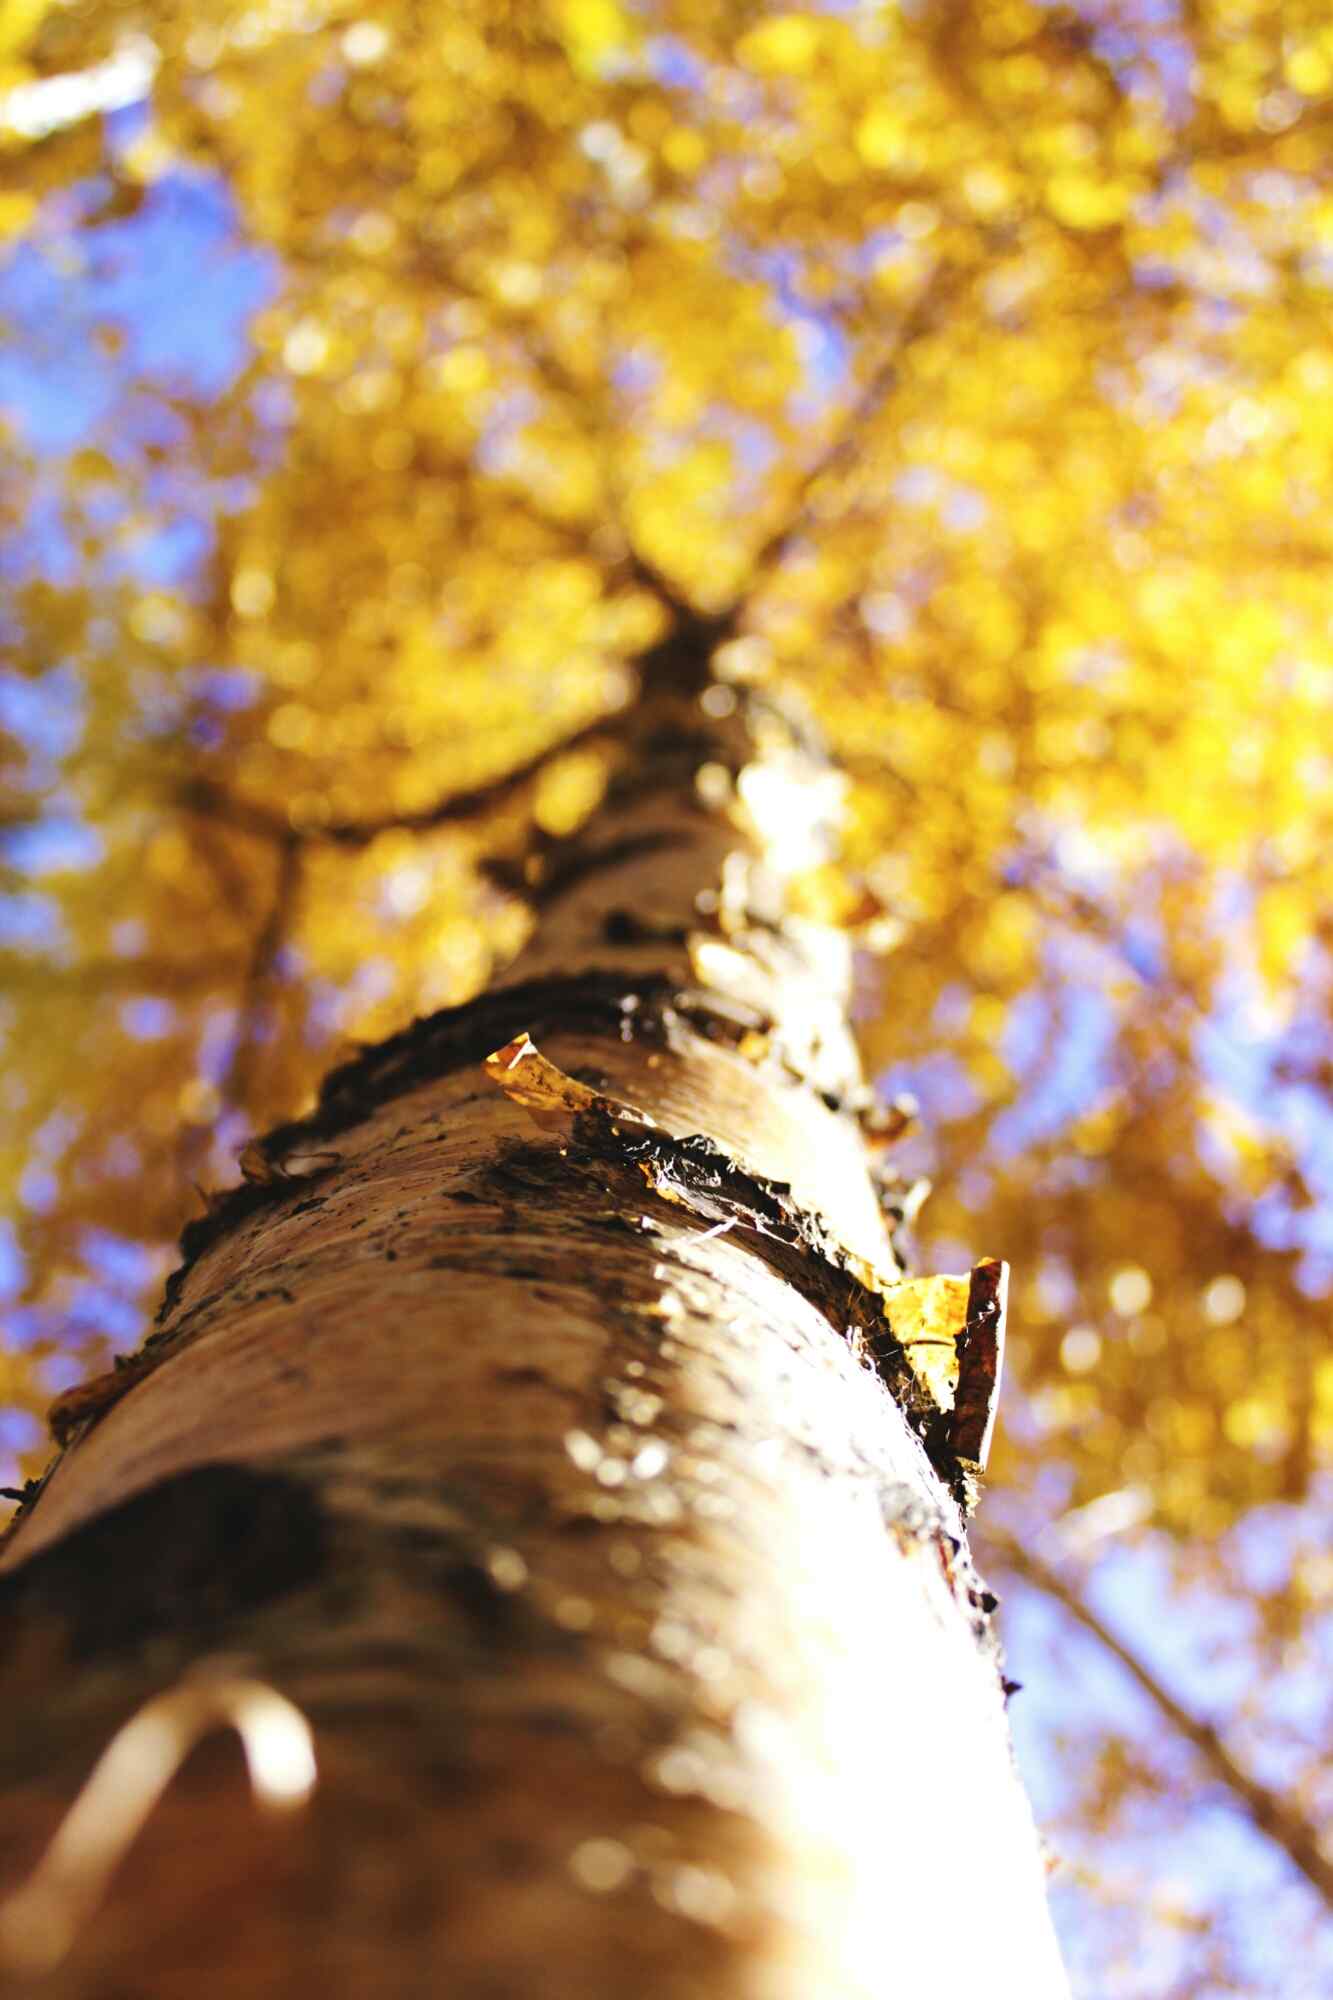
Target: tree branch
pixel 267 945
pixel 681 659
pixel 842 448
pixel 1266 1810
pixel 115 975
pixel 214 801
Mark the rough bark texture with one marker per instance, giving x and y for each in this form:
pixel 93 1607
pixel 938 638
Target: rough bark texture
pixel 540 1431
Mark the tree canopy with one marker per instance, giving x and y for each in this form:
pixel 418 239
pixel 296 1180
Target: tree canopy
pixel 379 387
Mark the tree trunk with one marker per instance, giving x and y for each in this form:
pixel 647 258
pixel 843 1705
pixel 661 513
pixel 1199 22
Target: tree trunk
pixel 539 1429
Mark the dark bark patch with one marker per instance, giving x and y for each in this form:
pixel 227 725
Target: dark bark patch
pixel 697 1174
pixel 205 1547
pixel 913 1517
pixel 472 1588
pixel 576 864
pixel 977 1603
pixel 626 927
pixel 610 1001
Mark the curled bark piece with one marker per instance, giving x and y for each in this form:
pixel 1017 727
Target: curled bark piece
pixel 87 1400
pixel 41 1920
pixel 980 1362
pixel 551 1099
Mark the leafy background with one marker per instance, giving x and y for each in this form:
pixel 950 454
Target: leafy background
pixel 377 384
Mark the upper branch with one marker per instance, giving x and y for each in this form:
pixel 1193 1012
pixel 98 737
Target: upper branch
pixel 204 795
pixel 842 448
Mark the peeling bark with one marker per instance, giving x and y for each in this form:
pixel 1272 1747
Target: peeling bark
pixel 551 1433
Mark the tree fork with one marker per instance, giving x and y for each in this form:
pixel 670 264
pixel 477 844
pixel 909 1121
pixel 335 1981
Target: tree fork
pixel 516 1421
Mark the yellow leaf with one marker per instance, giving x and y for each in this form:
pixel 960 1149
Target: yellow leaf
pixel 16 211
pixel 592 32
pixel 19 22
pixel 1087 202
pixel 881 138
pixel 783 46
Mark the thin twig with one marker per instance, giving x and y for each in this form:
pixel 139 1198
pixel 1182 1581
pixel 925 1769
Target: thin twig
pixel 268 943
pixel 842 448
pixel 115 975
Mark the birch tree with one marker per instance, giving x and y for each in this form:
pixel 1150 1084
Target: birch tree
pixel 387 399
pixel 546 1419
